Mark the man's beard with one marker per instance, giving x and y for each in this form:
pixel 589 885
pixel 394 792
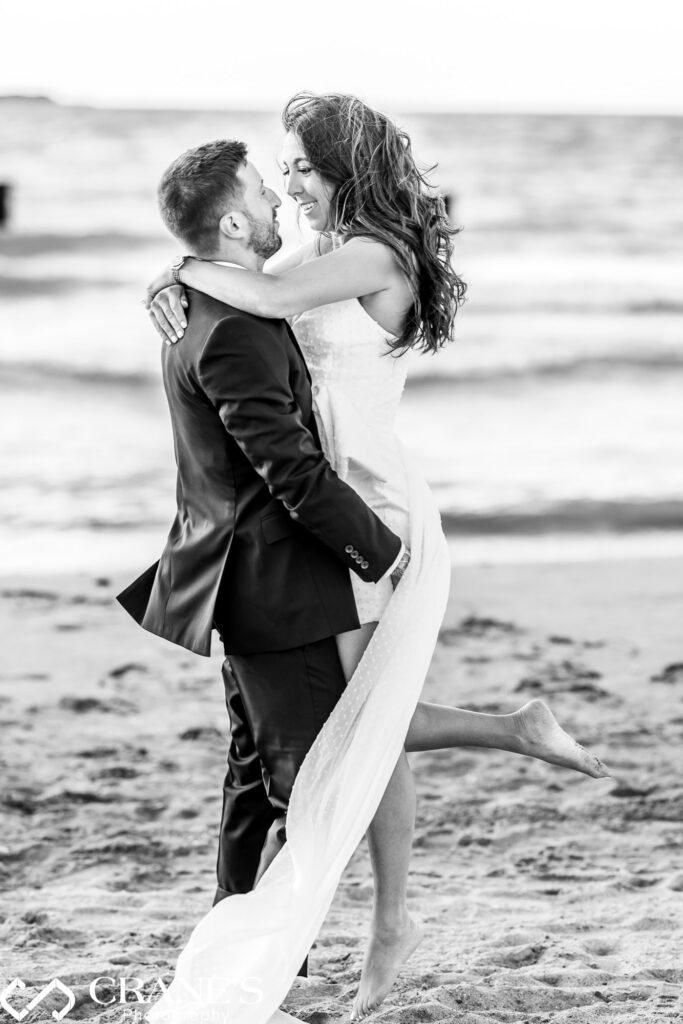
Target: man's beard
pixel 265 240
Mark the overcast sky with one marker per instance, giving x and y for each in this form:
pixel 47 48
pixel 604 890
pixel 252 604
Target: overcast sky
pixel 529 55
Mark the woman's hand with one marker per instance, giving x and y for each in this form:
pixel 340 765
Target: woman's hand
pixel 161 281
pixel 167 312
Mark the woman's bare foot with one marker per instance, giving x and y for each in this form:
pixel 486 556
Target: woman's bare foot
pixel 539 734
pixel 387 951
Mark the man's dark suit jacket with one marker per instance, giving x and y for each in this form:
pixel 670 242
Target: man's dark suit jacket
pixel 265 532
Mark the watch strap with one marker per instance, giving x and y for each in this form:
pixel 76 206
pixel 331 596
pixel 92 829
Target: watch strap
pixel 176 267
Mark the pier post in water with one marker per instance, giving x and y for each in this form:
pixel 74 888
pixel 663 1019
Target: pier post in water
pixel 4 204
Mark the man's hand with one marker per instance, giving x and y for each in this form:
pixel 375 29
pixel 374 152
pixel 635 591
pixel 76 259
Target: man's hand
pixel 167 313
pixel 400 569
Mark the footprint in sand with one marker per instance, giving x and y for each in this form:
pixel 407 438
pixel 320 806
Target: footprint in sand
pixel 150 810
pixel 25 595
pixel 98 752
pixel 202 732
pixel 35 917
pixel 672 673
pixel 83 705
pixel 25 799
pixel 68 937
pixel 188 813
pixel 56 798
pixel 478 627
pixel 566 676
pixel 601 947
pixel 122 670
pixel 515 956
pixel 500 1000
pixel 624 790
pixel 337 939
pixel 117 771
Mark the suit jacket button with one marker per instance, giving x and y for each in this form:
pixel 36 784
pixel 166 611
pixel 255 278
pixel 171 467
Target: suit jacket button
pixel 349 549
pixel 354 553
pixel 364 565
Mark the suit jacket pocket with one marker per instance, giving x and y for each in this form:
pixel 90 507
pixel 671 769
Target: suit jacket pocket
pixel 276 526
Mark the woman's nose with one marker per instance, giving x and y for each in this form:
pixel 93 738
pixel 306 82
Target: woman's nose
pixel 293 185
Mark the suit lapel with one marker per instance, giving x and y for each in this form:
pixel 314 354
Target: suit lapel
pixel 312 423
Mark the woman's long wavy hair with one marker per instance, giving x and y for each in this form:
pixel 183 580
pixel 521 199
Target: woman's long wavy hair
pixel 379 193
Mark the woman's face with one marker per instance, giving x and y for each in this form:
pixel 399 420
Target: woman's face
pixel 311 192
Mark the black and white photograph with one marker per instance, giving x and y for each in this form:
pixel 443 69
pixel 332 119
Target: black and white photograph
pixel 341 513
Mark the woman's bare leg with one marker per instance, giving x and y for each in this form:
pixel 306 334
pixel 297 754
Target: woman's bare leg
pixel 393 935
pixel 532 730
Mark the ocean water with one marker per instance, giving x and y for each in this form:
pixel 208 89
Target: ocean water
pixel 551 427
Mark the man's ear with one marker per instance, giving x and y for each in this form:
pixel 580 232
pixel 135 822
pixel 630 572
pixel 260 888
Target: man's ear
pixel 233 225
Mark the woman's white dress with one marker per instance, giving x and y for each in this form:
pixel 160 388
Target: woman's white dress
pixel 242 957
pixel 357 386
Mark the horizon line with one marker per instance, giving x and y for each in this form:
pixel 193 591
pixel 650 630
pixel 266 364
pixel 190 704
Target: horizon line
pixel 484 111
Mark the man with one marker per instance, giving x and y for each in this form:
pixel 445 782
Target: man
pixel 265 532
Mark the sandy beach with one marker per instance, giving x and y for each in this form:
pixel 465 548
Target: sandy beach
pixel 546 896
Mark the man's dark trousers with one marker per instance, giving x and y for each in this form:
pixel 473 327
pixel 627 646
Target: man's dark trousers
pixel 277 702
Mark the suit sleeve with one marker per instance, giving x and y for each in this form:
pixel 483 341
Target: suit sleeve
pixel 244 370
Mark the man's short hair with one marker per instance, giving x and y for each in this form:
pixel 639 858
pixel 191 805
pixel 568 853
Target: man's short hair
pixel 194 190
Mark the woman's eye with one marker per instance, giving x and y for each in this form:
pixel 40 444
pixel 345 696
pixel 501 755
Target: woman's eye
pixel 284 172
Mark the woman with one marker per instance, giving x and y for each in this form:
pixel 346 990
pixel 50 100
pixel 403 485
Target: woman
pixel 376 282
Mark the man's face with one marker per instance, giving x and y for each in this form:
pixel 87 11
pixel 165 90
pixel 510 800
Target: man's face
pixel 260 205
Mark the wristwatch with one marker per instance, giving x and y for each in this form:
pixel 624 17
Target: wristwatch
pixel 400 568
pixel 177 266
